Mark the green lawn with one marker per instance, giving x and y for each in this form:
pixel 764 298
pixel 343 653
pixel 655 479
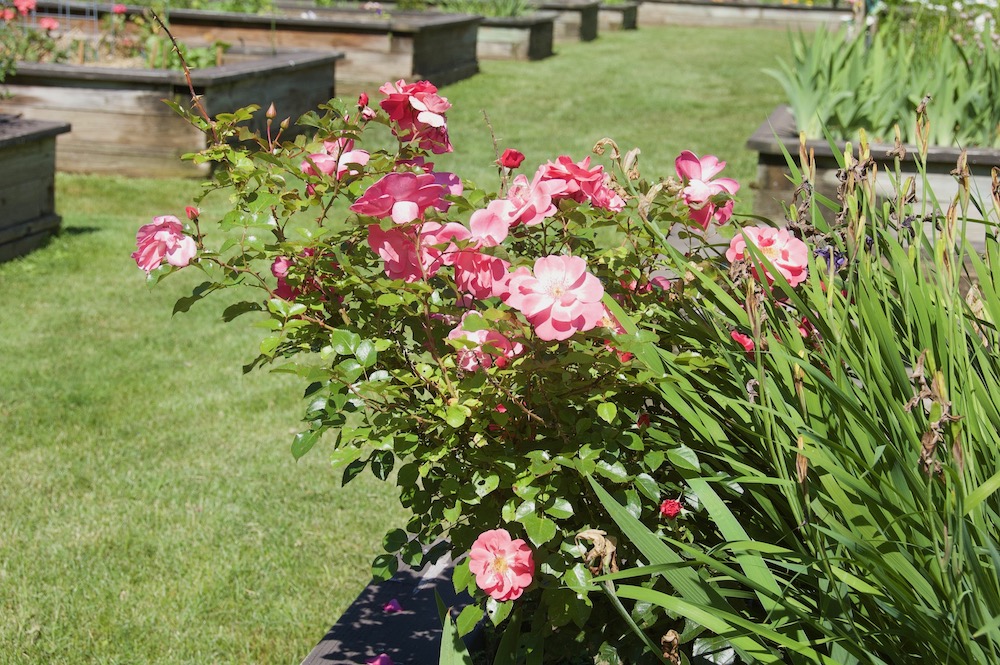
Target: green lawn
pixel 149 508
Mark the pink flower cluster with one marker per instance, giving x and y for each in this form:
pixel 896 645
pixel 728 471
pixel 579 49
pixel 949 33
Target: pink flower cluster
pixel 788 254
pixel 48 23
pixel 582 183
pixel 707 199
pixel 24 6
pixel 163 239
pixel 503 567
pixel 482 349
pixel 335 160
pixel 417 114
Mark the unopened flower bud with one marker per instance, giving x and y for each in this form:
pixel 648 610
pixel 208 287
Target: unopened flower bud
pixel 272 112
pixel 670 508
pixel 192 213
pixel 285 123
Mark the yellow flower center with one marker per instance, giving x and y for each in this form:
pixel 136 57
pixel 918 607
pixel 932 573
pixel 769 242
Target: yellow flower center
pixel 499 565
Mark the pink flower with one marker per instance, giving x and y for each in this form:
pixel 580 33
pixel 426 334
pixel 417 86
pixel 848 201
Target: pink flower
pixel 381 659
pixel 559 299
pixel 24 6
pixel 392 607
pixel 743 340
pixel 511 159
pixel 414 254
pixel 48 23
pixel 192 213
pixel 417 114
pixel 787 254
pixel 489 226
pixel 335 160
pixel 530 203
pixel 8 14
pixel 119 9
pixel 582 183
pixel 701 193
pixel 163 239
pixel 402 196
pixel 480 275
pixel 482 349
pixel 670 508
pixel 503 567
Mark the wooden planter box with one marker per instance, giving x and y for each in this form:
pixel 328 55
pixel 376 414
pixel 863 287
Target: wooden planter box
pixel 576 20
pixel 620 16
pixel 432 46
pixel 409 637
pixel 773 188
pixel 121 125
pixel 27 184
pixel 519 38
pixel 715 14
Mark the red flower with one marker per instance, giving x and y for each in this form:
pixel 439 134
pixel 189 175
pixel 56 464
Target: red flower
pixel 670 508
pixel 510 159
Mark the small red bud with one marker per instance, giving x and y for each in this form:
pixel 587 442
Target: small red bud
pixel 192 213
pixel 510 159
pixel 363 100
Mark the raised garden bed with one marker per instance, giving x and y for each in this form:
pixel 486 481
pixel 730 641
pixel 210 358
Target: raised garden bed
pixel 519 38
pixel 121 125
pixel 432 46
pixel 576 20
pixel 411 636
pixel 618 16
pixel 27 184
pixel 774 191
pixel 736 14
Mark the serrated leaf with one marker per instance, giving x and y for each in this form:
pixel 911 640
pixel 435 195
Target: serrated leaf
pixel 615 472
pixel 344 342
pixel 540 530
pixel 366 353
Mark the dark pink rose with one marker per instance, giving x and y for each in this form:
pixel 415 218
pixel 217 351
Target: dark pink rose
pixel 510 159
pixel 163 239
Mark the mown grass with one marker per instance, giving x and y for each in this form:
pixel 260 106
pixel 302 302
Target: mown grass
pixel 150 510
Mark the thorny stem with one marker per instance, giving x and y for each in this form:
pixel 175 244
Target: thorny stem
pixel 496 153
pixel 195 98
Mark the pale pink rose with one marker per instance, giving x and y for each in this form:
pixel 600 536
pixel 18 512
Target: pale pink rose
pixel 415 254
pixel 701 193
pixel 119 9
pixel 582 183
pixel 559 299
pixel 402 196
pixel 335 160
pixel 479 275
pixel 164 238
pixel 482 349
pixel 530 203
pixel 24 6
pixel 788 254
pixel 48 23
pixel 489 226
pixel 437 243
pixel 503 567
pixel 416 112
pixel 8 14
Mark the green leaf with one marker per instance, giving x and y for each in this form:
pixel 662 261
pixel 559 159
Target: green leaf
pixel 344 342
pixel 304 441
pixel 366 353
pixel 607 411
pixel 683 457
pixel 238 309
pixel 485 484
pixel 394 540
pixel 508 647
pixel 498 611
pixel 645 484
pixel 560 508
pixel 615 472
pixel 456 415
pixel 343 456
pixel 453 649
pixel 468 619
pixel 384 567
pixel 540 530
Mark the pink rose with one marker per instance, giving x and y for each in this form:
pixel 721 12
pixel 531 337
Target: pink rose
pixel 335 160
pixel 416 254
pixel 582 183
pixel 402 196
pixel 511 159
pixel 503 567
pixel 701 193
pixel 530 203
pixel 163 239
pixel 416 112
pixel 7 14
pixel 480 275
pixel 482 349
pixel 559 299
pixel 48 23
pixel 119 9
pixel 192 213
pixel 24 6
pixel 787 254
